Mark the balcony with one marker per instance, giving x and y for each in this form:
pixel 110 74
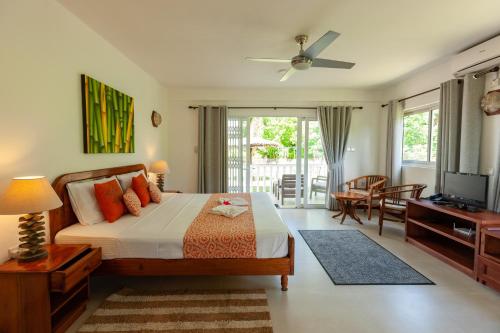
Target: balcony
pixel 265 177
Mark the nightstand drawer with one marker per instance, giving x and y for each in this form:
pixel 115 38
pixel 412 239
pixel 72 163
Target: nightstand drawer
pixel 74 271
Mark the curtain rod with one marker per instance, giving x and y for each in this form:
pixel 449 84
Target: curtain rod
pixel 276 107
pixel 412 96
pixel 419 94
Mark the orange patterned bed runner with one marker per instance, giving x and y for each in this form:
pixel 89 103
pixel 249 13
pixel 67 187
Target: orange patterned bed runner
pixel 215 236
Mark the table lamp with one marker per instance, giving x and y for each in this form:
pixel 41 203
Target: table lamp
pixel 159 168
pixel 31 195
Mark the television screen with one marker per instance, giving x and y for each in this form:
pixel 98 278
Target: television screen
pixel 466 188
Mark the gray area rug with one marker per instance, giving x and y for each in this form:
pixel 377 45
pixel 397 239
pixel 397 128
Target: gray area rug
pixel 350 257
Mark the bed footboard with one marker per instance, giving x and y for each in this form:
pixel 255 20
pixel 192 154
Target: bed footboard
pixel 186 267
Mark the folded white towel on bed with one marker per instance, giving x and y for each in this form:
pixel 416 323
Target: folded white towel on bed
pixel 228 210
pixel 236 201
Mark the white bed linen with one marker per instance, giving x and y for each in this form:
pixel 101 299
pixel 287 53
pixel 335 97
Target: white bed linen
pixel 159 232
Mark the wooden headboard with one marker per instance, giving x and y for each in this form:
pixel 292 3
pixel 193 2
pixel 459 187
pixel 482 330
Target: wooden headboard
pixel 64 216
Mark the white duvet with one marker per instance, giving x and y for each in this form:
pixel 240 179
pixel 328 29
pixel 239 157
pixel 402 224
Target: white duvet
pixel 159 232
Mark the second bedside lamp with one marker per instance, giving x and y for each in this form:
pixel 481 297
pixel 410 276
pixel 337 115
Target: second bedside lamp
pixel 160 168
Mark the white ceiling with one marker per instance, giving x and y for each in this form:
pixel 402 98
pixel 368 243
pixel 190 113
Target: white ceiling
pixel 203 43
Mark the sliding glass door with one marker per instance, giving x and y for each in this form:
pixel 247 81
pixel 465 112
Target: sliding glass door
pixel 282 156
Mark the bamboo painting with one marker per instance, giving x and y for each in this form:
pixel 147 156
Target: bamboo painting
pixel 108 119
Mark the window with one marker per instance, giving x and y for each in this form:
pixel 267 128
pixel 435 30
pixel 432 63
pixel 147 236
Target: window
pixel 420 130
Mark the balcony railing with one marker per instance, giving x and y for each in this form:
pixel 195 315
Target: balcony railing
pixel 263 176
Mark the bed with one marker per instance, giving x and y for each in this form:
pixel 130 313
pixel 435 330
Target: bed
pixel 152 244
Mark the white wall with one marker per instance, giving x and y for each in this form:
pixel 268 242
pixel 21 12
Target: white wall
pixel 420 175
pixel 429 78
pixel 182 128
pixel 45 48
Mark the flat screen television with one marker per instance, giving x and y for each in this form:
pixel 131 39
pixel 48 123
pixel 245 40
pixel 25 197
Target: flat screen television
pixel 466 189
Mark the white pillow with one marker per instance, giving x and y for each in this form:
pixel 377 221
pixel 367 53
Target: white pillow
pixel 126 179
pixel 84 202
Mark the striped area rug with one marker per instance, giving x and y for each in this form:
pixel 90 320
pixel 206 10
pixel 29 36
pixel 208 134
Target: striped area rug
pixel 209 311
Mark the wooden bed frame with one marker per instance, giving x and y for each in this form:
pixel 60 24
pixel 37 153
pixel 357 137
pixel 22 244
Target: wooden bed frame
pixel 64 217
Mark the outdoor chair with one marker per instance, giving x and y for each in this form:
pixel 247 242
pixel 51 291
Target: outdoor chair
pixel 286 187
pixel 318 185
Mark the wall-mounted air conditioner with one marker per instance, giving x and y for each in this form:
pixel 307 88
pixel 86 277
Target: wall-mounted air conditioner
pixel 477 58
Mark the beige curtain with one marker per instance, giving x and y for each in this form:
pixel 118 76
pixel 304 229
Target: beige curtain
pixel 496 185
pixel 496 201
pixel 394 143
pixel 449 128
pixel 472 122
pixel 335 123
pixel 212 149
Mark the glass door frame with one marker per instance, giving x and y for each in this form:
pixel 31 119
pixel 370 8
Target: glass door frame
pixel 303 161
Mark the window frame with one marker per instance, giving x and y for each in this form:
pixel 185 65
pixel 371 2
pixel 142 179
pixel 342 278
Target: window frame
pixel 429 108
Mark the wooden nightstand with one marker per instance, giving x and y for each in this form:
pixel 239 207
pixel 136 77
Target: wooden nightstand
pixel 47 295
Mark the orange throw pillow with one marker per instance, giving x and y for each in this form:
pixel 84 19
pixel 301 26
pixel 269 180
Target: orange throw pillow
pixel 109 196
pixel 141 188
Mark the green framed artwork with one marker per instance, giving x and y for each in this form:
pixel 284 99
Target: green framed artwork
pixel 108 118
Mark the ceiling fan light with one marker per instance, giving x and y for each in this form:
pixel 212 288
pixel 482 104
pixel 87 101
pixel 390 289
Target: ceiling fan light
pixel 301 63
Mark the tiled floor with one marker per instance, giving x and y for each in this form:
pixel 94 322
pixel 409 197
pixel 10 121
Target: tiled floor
pixel 314 304
pixel 317 200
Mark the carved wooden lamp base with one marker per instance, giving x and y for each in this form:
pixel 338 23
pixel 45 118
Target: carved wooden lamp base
pixel 160 180
pixel 32 237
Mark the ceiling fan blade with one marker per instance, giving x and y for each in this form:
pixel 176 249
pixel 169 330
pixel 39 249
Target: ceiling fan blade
pixel 267 60
pixel 315 49
pixel 288 74
pixel 327 63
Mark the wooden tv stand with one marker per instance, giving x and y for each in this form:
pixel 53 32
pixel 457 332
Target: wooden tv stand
pixel 430 227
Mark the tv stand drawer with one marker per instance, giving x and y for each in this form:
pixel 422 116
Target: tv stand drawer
pixel 489 273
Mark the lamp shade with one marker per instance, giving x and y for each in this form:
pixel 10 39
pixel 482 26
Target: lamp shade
pixel 159 167
pixel 28 195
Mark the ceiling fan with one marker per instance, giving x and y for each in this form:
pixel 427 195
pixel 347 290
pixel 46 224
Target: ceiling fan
pixel 306 59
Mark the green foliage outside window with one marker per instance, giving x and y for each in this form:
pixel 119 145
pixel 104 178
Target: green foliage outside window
pixel 283 130
pixel 417 139
pixel 270 152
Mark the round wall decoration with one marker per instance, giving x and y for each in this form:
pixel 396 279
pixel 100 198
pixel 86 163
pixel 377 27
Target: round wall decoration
pixel 490 103
pixel 156 119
